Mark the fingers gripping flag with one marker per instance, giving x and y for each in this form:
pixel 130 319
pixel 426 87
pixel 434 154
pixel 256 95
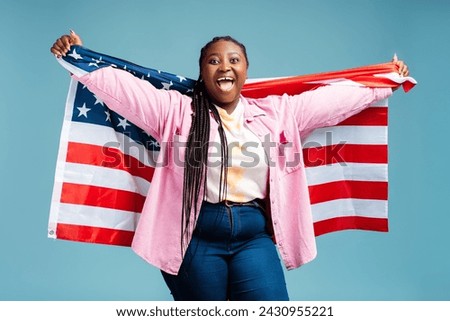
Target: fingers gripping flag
pixel 105 163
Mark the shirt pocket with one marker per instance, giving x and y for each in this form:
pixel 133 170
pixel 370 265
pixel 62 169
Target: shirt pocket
pixel 289 158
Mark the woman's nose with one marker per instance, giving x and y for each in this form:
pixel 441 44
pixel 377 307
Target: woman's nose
pixel 225 66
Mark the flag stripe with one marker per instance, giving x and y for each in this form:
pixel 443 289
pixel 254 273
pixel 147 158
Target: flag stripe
pixel 382 103
pixel 348 189
pixel 354 171
pixel 349 207
pixel 349 223
pixel 294 85
pixel 105 136
pixel 107 157
pixel 92 234
pixel 98 216
pixel 345 153
pixel 101 197
pixel 362 135
pixel 373 116
pixel 104 177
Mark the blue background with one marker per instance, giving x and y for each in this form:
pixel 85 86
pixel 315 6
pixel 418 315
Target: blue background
pixel 411 262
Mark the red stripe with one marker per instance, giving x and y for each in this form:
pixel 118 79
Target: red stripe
pixel 373 116
pixel 351 223
pixel 91 234
pixel 342 153
pixel 102 197
pixel 348 189
pixel 297 84
pixel 107 157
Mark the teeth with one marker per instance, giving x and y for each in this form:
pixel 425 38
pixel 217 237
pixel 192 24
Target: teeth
pixel 225 83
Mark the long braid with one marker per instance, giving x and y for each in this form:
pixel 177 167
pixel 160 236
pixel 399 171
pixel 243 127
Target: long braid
pixel 196 157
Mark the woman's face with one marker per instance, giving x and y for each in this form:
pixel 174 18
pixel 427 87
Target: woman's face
pixel 224 71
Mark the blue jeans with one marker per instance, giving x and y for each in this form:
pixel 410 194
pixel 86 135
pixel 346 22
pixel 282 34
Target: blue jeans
pixel 231 257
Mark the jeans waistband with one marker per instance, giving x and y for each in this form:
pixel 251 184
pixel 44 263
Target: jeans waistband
pixel 227 203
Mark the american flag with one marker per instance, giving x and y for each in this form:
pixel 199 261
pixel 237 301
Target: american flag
pixel 105 163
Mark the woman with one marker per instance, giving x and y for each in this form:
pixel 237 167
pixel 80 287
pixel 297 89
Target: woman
pixel 210 224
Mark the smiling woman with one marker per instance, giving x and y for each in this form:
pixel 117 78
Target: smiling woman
pixel 214 238
pixel 223 68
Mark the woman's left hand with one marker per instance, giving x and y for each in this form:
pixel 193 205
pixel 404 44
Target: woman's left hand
pixel 402 67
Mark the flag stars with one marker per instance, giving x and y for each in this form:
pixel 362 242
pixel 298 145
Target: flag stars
pixel 83 110
pixel 167 86
pixel 98 101
pixel 123 123
pixel 153 143
pixel 181 78
pixel 108 115
pixel 96 62
pixel 75 55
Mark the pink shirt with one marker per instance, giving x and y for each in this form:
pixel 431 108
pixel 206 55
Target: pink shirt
pixel 278 121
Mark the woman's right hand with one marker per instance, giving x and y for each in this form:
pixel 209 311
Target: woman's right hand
pixel 63 43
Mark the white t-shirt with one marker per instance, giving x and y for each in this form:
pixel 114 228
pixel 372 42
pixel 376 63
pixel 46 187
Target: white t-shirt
pixel 248 171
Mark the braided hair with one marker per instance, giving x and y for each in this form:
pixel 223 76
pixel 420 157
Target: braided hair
pixel 196 157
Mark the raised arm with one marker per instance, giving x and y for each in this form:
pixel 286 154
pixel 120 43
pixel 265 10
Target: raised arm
pixel 329 105
pixel 133 98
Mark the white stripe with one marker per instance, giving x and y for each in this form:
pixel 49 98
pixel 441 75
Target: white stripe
pixel 395 77
pixel 105 136
pixel 364 135
pixel 349 207
pixel 349 171
pixel 337 82
pixel 380 103
pixel 97 217
pixel 60 163
pixel 105 177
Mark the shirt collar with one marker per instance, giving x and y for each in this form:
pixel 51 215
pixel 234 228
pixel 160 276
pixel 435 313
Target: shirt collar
pixel 251 110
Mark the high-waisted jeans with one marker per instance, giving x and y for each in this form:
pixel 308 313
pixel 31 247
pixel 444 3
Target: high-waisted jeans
pixel 230 257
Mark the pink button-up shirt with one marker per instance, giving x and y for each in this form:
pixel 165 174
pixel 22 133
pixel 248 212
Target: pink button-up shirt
pixel 279 121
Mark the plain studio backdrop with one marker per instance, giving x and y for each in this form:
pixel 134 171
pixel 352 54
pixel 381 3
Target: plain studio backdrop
pixel 410 262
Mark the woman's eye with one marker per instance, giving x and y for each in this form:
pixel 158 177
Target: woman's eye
pixel 213 61
pixel 234 60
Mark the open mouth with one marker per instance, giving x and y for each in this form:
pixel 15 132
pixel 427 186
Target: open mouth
pixel 225 83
